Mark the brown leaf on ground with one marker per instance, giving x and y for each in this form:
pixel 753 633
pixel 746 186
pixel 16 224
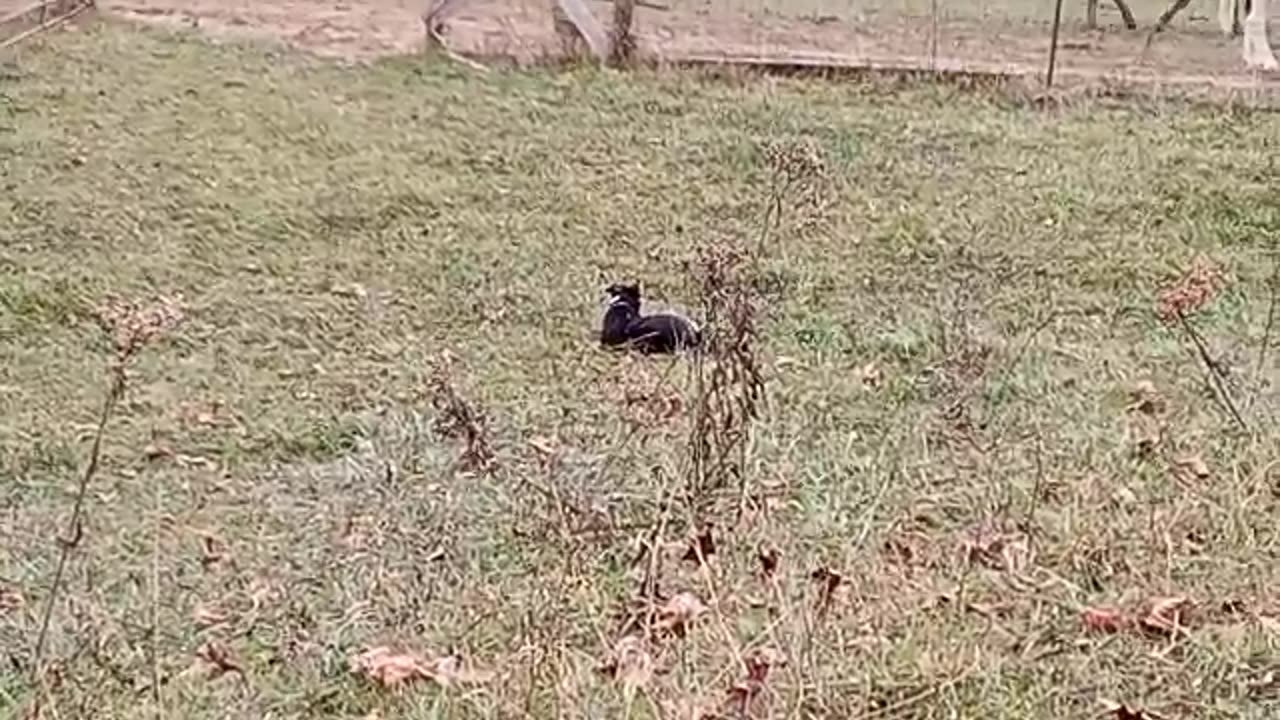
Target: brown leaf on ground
pixel 1146 399
pixel 630 663
pixel 546 447
pixel 757 665
pixel 761 661
pixel 218 656
pixel 10 600
pixel 768 556
pixel 1166 615
pixel 1193 465
pixel 701 546
pixel 678 613
pixel 1144 435
pixel 871 375
pixel 1103 619
pixel 829 581
pixel 156 451
pixel 449 670
pixel 1120 711
pixel 391 669
pixel 209 615
pixel 212 551
pixel 998 551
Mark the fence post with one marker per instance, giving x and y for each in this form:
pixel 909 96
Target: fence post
pixel 1053 43
pixel 622 43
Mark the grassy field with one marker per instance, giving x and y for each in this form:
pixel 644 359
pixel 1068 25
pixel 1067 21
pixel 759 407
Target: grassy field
pixel 976 427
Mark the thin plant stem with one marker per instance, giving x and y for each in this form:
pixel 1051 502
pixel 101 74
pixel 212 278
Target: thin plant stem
pixel 74 529
pixel 1213 372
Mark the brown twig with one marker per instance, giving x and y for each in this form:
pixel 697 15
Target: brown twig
pixel 74 530
pixel 130 327
pixel 1218 382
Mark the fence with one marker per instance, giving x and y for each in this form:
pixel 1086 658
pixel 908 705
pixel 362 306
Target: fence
pixel 20 21
pixel 1109 41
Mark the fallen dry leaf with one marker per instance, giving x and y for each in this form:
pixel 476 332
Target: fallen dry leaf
pixel 758 665
pixel 990 609
pixel 768 556
pixel 998 551
pixel 631 663
pixel 449 670
pixel 761 661
pixel 209 615
pixel 679 612
pixel 351 290
pixel 701 546
pixel 830 581
pixel 1103 619
pixel 1194 465
pixel 154 451
pixel 1146 399
pixel 10 601
pixel 391 669
pixel 216 654
pixel 1122 711
pixel 871 375
pixel 212 551
pixel 1166 615
pixel 545 447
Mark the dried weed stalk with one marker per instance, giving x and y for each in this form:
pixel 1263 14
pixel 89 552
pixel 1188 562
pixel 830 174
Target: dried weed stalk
pixel 457 418
pixel 131 327
pixel 730 386
pixel 797 176
pixel 729 277
pixel 1177 303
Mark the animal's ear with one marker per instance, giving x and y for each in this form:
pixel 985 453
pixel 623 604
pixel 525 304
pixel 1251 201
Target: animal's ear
pixel 633 288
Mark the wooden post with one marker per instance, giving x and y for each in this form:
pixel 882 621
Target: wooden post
pixel 622 44
pixel 1053 43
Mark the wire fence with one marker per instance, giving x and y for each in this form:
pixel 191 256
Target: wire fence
pixel 20 20
pixel 1099 40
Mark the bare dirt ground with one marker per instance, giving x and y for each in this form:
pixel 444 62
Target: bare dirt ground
pixel 522 29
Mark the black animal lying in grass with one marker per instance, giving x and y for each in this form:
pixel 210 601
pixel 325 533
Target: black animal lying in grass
pixel 625 327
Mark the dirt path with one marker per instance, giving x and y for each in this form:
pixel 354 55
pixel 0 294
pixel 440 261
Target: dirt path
pixel 522 29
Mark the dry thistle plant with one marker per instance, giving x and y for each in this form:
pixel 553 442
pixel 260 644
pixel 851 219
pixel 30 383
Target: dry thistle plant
pixel 458 418
pixel 798 175
pixel 730 385
pixel 1195 289
pixel 131 327
pixel 1177 303
pixel 729 278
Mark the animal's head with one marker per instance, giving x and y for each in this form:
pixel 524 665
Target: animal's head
pixel 626 293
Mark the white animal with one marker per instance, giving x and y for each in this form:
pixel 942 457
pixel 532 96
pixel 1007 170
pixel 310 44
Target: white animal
pixel 1257 48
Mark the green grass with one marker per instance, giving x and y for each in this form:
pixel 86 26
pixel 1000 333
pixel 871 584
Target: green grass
pixel 333 230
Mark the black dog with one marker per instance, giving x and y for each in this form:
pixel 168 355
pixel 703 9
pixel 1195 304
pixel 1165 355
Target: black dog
pixel 624 326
